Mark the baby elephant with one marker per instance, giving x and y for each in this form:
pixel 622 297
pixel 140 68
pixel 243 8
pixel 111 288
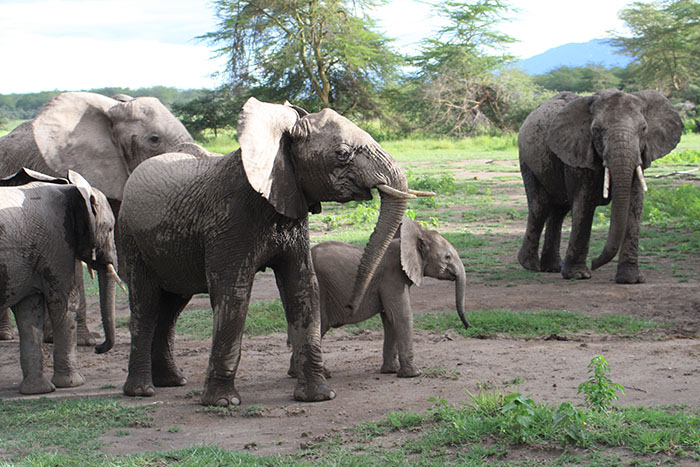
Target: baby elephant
pixel 411 256
pixel 47 226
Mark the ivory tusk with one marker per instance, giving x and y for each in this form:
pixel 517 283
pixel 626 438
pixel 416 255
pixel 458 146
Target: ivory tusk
pixel 113 272
pixel 91 272
pixel 395 193
pixel 421 193
pixel 606 183
pixel 640 174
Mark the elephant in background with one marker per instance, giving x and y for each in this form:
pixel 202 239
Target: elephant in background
pixel 416 253
pixel 191 224
pixel 579 152
pixel 101 138
pixel 47 227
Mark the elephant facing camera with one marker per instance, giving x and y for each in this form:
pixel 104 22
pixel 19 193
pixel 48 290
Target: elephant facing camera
pixel 415 253
pixel 47 227
pixel 580 152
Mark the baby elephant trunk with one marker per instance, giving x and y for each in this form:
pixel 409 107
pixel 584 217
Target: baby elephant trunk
pixel 108 283
pixel 460 292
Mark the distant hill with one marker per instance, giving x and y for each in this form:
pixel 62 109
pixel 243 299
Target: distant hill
pixel 595 52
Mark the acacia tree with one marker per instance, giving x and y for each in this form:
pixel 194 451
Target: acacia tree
pixel 665 43
pixel 321 53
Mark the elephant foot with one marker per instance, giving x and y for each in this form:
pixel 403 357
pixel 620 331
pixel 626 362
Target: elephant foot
pixel 292 372
pixel 550 265
pixel 575 272
pixel 629 275
pixel 391 367
pixel 36 385
pixel 85 337
pixel 68 380
pixel 220 397
pixel 169 378
pixel 137 387
pixel 6 335
pixel 313 392
pixel 408 372
pixel 529 261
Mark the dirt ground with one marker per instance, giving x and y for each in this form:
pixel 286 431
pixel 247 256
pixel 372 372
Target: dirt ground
pixel 655 369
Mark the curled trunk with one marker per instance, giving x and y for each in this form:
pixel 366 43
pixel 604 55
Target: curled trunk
pixel 621 176
pixel 107 290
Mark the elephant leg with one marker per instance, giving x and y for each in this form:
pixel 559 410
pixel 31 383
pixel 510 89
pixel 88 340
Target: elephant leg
pixel 401 320
pixel 550 261
pixel 574 266
pixel 65 352
pixel 390 355
pixel 29 314
pixel 76 303
pixel 230 306
pixel 627 265
pixel 299 291
pixel 6 333
pixel 164 370
pixel 538 206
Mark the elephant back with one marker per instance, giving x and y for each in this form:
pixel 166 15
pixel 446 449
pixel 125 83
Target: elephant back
pixel 18 149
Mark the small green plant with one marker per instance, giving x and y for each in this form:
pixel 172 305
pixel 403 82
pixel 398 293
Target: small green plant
pixel 599 391
pixel 174 429
pixel 520 412
pixel 253 411
pixel 572 422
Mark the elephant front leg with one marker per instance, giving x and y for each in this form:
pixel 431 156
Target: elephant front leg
pixel 77 304
pixel 6 333
pixel 538 210
pixel 400 319
pixel 627 265
pixel 299 291
pixel 574 266
pixel 65 353
pixel 29 314
pixel 390 356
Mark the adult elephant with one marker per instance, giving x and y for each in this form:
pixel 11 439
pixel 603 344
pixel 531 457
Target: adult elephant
pixel 577 153
pixel 417 253
pixel 102 138
pixel 47 227
pixel 191 224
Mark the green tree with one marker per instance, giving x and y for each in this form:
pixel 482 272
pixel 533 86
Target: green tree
pixel 664 41
pixel 313 52
pixel 590 78
pixel 211 110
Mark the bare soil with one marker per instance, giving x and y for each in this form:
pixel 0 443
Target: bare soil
pixel 656 369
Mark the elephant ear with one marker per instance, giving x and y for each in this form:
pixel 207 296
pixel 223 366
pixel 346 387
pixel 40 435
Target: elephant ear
pixel 88 229
pixel 412 245
pixel 263 132
pixel 25 175
pixel 664 126
pixel 73 131
pixel 569 134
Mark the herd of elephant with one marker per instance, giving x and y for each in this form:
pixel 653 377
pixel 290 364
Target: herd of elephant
pixel 92 175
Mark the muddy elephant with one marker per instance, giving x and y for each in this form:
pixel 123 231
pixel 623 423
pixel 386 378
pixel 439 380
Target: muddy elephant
pixel 47 227
pixel 101 138
pixel 192 224
pixel 579 152
pixel 417 253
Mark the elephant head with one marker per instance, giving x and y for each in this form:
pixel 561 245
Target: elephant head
pixel 619 134
pixel 94 227
pixel 297 160
pixel 427 253
pixel 103 138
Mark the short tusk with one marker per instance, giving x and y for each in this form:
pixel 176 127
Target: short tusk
pixel 421 193
pixel 91 272
pixel 113 272
pixel 395 193
pixel 640 174
pixel 606 183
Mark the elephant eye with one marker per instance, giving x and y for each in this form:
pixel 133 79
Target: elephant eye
pixel 154 139
pixel 344 153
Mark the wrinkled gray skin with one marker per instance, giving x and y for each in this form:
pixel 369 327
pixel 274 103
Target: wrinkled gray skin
pixel 416 254
pixel 101 138
pixel 564 144
pixel 47 227
pixel 191 224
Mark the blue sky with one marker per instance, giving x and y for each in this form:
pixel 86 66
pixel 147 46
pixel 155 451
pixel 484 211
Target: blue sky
pixel 83 44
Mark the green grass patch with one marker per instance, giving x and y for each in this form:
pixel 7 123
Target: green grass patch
pixel 264 317
pixel 679 205
pixel 42 429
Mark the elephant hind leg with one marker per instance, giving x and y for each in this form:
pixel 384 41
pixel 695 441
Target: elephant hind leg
pixel 538 206
pixel 6 333
pixel 165 372
pixel 550 261
pixel 29 314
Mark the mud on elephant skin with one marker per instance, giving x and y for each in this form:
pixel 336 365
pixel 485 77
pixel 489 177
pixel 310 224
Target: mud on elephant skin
pixel 47 227
pixel 579 152
pixel 101 138
pixel 192 224
pixel 414 254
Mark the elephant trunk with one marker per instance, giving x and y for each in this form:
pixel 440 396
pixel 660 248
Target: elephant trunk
pixel 460 293
pixel 621 174
pixel 391 212
pixel 108 286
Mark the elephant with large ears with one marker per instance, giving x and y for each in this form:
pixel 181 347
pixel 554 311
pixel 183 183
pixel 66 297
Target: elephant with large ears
pixel 415 254
pixel 191 224
pixel 102 138
pixel 577 153
pixel 47 227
